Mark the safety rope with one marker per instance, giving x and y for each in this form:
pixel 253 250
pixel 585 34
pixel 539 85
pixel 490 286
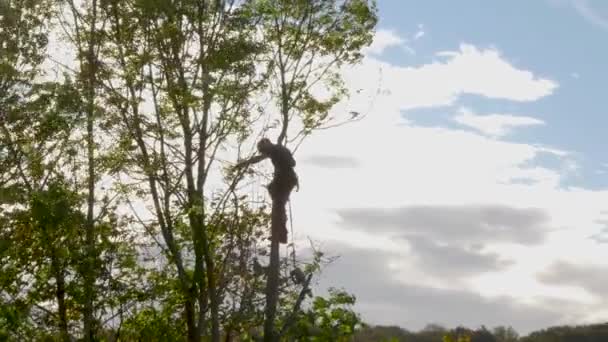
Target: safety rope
pixel 293 243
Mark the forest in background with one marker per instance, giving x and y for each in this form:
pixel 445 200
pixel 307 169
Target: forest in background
pixel 434 332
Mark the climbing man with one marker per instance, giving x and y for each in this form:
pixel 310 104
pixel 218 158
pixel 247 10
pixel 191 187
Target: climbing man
pixel 283 182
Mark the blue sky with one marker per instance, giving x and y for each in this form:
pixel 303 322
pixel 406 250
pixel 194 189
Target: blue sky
pixel 551 38
pixel 475 190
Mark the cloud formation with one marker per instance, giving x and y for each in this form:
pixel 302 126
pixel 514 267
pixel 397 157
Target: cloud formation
pixel 454 260
pixel 383 40
pixel 591 13
pixel 494 125
pixel 467 70
pixel 464 223
pixel 332 162
pixel 487 73
pixel 420 33
pixel 592 278
pixel 382 297
pixel 601 237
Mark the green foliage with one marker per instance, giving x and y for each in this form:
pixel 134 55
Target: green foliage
pixel 130 130
pixel 460 338
pixel 594 332
pixel 309 40
pixel 23 39
pixel 430 333
pixel 153 325
pixel 505 334
pixel 586 333
pixel 328 319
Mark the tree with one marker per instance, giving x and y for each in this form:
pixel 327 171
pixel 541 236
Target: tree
pixel 41 192
pixel 24 152
pixel 195 62
pixel 86 40
pixel 330 319
pixel 592 332
pixel 200 64
pixel 308 40
pixel 505 334
pixel 483 335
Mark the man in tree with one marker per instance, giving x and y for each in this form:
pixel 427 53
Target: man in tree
pixel 283 182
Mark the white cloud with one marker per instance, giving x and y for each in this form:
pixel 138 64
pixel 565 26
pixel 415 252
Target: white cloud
pixel 384 39
pixel 585 9
pixel 420 33
pixel 494 125
pixel 468 70
pixel 486 72
pixel 592 11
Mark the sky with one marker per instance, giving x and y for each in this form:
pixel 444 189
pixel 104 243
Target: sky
pixel 475 189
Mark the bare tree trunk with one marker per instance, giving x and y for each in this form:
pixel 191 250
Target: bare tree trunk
pixel 193 335
pixel 213 297
pixel 60 296
pixel 89 276
pixel 272 287
pixel 90 238
pixel 277 213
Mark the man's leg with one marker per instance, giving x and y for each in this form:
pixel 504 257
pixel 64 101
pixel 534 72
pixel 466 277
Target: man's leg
pixel 279 221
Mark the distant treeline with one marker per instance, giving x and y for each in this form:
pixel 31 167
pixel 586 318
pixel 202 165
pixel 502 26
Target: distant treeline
pixel 434 333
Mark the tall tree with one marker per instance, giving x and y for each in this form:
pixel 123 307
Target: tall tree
pixel 185 71
pixel 23 146
pixel 44 122
pixel 308 41
pixel 82 31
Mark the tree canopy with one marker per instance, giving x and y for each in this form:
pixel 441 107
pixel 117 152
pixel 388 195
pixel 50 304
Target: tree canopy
pixel 120 215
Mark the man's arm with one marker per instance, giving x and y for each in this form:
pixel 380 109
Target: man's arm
pixel 250 161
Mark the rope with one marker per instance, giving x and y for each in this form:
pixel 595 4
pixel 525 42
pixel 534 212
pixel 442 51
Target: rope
pixel 293 244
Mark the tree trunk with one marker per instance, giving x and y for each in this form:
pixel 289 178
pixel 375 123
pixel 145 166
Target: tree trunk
pixel 60 296
pixel 89 271
pixel 193 335
pixel 272 287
